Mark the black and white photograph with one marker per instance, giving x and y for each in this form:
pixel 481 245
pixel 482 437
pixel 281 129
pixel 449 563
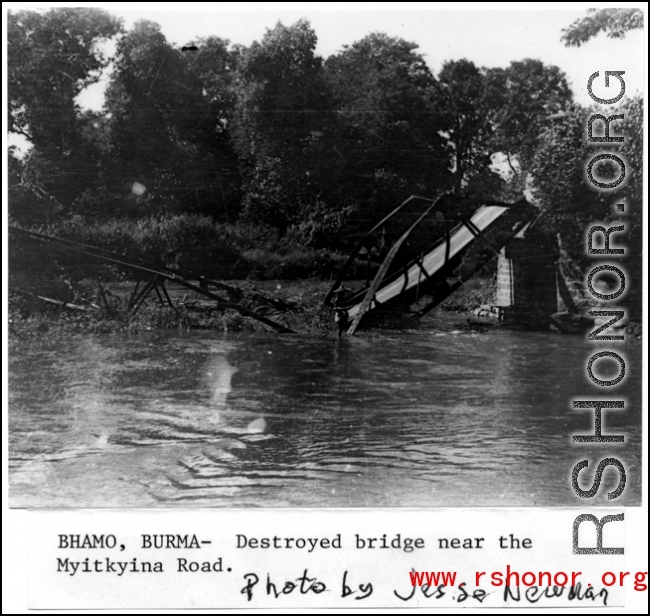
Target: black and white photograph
pixel 316 258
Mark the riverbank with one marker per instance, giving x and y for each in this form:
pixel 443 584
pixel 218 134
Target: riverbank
pixel 32 321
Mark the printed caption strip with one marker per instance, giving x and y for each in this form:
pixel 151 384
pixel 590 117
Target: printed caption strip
pixel 318 559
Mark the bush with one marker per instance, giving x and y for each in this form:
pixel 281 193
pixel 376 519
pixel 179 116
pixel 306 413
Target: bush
pixel 193 244
pixel 189 242
pixel 246 236
pixel 264 265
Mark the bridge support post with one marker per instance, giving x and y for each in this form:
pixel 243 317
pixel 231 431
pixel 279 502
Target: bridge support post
pixel 527 277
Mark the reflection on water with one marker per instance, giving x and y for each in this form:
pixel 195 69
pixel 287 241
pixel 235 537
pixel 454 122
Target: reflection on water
pixel 428 418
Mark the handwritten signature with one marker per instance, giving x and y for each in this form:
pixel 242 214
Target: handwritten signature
pixel 306 585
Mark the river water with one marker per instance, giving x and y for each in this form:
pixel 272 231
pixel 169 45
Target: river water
pixel 435 417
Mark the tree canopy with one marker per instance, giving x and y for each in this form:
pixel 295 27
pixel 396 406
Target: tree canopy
pixel 273 136
pixel 614 22
pixel 52 57
pixel 387 129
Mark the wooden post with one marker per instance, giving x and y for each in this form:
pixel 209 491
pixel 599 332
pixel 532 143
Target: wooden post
pixel 142 297
pixel 160 299
pixel 133 294
pixel 169 300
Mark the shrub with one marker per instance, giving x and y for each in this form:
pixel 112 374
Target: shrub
pixel 264 265
pixel 193 244
pixel 189 242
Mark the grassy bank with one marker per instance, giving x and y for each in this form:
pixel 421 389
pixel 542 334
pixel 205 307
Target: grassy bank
pixel 32 321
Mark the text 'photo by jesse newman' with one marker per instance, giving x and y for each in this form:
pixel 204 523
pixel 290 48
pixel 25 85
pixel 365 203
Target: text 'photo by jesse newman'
pixel 325 259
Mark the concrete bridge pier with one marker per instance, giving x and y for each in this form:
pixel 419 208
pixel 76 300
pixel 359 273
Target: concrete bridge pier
pixel 528 290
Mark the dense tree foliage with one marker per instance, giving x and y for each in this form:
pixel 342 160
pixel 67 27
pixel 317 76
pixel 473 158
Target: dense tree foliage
pixel 460 94
pixel 615 22
pixel 52 57
pixel 168 115
pixel 279 113
pixel 274 139
pixel 561 186
pixel 587 203
pixel 521 98
pixel 388 128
